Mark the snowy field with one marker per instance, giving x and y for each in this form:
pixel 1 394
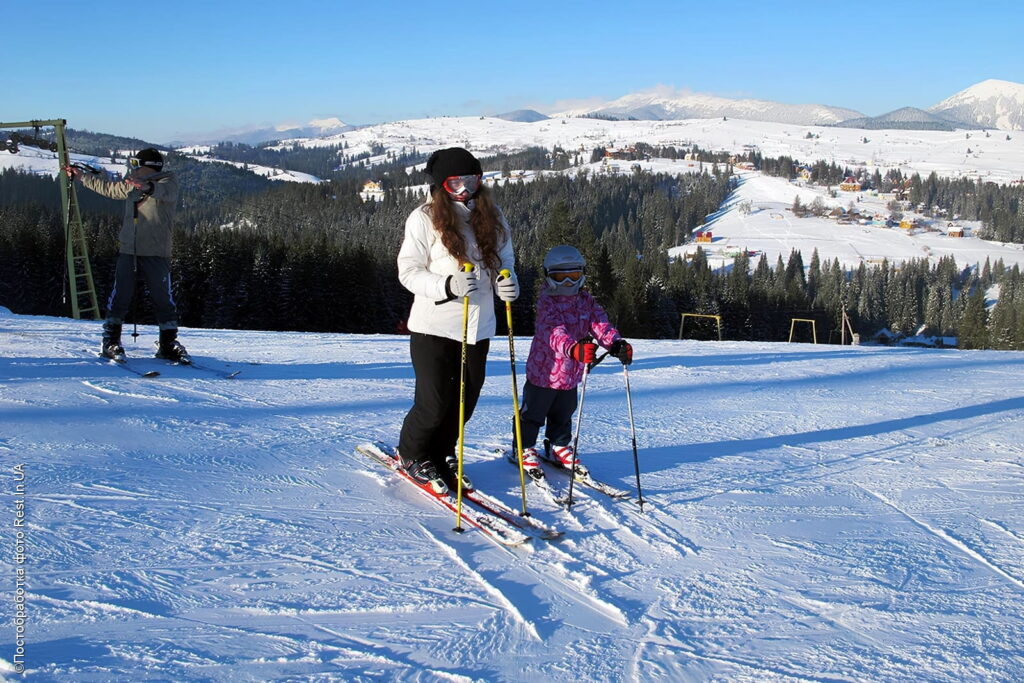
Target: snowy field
pixel 814 514
pixel 996 156
pixel 952 154
pixel 771 228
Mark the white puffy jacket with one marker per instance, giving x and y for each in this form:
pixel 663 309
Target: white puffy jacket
pixel 424 265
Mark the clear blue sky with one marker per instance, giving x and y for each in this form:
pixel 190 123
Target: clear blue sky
pixel 158 70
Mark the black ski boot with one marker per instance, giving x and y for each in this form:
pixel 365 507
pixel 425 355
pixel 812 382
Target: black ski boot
pixel 171 349
pixel 452 463
pixel 112 347
pixel 424 473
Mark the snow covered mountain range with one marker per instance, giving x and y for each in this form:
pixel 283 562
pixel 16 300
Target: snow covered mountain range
pixel 989 104
pixel 254 135
pixel 667 104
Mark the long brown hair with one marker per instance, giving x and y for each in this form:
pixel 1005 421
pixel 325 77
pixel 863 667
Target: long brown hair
pixel 484 221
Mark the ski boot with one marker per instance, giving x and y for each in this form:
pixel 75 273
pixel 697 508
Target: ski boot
pixel 171 349
pixel 452 463
pixel 112 348
pixel 531 464
pixel 425 474
pixel 568 459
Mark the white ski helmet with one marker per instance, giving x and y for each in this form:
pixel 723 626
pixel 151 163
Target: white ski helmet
pixel 563 270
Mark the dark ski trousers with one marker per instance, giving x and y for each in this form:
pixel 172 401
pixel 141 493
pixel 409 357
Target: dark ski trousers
pixel 156 270
pixel 545 405
pixel 431 428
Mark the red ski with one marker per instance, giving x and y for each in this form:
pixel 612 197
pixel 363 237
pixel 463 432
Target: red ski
pixel 495 526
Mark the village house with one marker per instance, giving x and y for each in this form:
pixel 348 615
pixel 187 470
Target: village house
pixel 851 184
pixel 372 191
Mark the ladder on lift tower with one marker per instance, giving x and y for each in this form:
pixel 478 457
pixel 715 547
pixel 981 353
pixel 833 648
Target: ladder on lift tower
pixel 80 283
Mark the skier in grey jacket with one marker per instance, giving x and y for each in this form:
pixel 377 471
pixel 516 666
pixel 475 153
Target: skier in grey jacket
pixel 151 200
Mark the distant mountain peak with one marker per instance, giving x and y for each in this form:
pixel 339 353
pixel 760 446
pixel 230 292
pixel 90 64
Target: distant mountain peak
pixel 522 116
pixel 906 118
pixel 992 103
pixel 330 123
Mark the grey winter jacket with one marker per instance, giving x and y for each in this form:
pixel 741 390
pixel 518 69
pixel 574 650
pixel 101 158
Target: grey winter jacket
pixel 156 212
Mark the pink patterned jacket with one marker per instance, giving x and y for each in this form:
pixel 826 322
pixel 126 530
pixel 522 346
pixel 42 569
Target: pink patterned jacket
pixel 561 322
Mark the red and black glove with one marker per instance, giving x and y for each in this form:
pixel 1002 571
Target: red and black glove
pixel 621 349
pixel 583 351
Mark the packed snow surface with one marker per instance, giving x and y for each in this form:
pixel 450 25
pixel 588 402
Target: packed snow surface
pixel 814 513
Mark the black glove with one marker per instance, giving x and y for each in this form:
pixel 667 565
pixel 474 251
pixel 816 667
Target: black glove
pixel 621 349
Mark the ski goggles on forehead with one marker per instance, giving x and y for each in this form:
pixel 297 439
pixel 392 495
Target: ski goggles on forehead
pixel 570 276
pixel 457 184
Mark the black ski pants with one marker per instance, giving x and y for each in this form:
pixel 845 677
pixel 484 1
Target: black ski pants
pixel 541 405
pixel 431 428
pixel 156 270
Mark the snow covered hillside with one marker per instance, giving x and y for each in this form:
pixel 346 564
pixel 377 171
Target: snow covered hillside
pixel 814 513
pixel 40 162
pixel 771 228
pixel 996 157
pixel 267 172
pixel 948 153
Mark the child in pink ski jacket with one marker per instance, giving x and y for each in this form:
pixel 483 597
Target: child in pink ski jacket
pixel 568 322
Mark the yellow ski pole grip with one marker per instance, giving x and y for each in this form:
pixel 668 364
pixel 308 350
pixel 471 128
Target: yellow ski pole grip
pixel 505 272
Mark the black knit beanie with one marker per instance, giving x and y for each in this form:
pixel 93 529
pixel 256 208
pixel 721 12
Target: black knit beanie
pixel 151 158
pixel 451 161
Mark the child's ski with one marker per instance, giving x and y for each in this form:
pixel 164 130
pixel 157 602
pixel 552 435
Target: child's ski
pixel 559 498
pixel 583 476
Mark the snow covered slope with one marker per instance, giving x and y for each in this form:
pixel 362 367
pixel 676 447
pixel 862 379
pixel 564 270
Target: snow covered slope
pixel 268 172
pixel 949 153
pixel 815 513
pixel 771 228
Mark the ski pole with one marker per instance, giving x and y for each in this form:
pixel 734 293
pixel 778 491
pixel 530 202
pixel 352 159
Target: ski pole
pixel 579 422
pixel 468 268
pixel 135 274
pixel 632 429
pixel 515 398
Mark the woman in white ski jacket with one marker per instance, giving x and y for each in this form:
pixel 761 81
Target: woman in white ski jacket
pixel 458 224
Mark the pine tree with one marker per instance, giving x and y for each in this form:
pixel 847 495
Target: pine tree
pixel 973 328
